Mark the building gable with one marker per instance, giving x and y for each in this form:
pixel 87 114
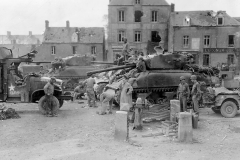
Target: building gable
pixel 132 2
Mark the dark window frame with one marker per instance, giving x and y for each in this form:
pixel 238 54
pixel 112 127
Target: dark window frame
pixel 120 36
pixel 186 41
pixel 230 59
pixel 93 50
pixel 154 15
pixel 53 50
pixel 231 40
pixel 137 36
pixel 121 15
pixel 206 59
pixel 206 40
pixel 222 21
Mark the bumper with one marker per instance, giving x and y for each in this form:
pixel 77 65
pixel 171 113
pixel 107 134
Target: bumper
pixel 66 97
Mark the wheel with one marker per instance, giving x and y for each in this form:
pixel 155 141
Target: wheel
pixel 229 109
pixel 216 110
pixel 42 104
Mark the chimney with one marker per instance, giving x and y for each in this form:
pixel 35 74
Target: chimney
pixel 172 7
pixel 67 24
pixel 30 33
pixel 8 33
pixel 46 24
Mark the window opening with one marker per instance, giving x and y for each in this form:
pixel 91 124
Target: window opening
pixel 155 36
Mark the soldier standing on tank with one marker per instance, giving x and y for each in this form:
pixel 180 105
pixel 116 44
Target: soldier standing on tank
pixel 195 93
pixel 124 55
pixel 51 108
pixel 90 90
pixel 183 94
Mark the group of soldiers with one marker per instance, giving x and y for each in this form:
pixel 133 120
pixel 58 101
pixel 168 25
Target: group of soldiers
pixel 184 93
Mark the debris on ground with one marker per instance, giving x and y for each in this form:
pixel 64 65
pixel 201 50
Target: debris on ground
pixel 8 113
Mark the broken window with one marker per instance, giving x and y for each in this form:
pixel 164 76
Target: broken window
pixel 185 41
pixel 53 50
pixel 206 60
pixel 137 1
pixel 93 50
pixel 121 35
pixel 155 36
pixel 138 15
pixel 137 36
pixel 230 40
pixel 74 49
pixel 230 59
pixel 220 21
pixel 121 16
pixel 154 16
pixel 206 41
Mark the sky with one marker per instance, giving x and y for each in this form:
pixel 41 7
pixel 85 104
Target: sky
pixel 21 16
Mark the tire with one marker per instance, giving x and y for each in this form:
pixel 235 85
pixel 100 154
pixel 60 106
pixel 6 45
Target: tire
pixel 42 104
pixel 229 109
pixel 215 110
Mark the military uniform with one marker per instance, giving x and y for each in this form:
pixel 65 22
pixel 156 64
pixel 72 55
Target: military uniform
pixel 196 94
pixel 90 91
pixel 51 108
pixel 183 95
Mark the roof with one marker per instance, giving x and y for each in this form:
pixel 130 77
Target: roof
pixel 21 39
pixel 65 35
pixel 237 18
pixel 132 2
pixel 202 18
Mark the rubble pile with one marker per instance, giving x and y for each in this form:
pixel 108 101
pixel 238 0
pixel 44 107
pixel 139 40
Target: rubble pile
pixel 8 113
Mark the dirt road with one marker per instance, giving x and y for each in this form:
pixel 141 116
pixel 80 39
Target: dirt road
pixel 80 134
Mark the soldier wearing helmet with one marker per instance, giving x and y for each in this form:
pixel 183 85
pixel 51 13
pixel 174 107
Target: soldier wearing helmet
pixel 51 108
pixel 195 93
pixel 183 94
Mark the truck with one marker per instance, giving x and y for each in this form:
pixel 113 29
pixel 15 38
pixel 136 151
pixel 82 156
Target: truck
pixel 224 99
pixel 28 88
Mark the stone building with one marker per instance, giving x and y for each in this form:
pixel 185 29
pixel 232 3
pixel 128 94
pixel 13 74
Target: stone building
pixel 20 44
pixel 213 37
pixel 140 21
pixel 68 41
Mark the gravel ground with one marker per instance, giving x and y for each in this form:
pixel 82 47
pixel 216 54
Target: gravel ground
pixel 80 134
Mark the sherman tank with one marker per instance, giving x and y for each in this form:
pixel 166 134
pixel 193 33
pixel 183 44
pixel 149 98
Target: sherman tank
pixel 156 77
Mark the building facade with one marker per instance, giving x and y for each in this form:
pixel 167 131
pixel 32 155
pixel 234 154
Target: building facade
pixel 213 38
pixel 67 41
pixel 140 21
pixel 20 44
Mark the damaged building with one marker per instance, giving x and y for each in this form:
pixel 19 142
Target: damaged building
pixel 20 44
pixel 212 37
pixel 69 41
pixel 140 21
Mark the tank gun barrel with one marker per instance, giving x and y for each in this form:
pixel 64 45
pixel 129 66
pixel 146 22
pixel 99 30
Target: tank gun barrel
pixel 111 68
pixel 101 62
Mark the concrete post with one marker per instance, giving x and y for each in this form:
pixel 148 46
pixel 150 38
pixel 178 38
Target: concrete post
pixel 185 133
pixel 121 126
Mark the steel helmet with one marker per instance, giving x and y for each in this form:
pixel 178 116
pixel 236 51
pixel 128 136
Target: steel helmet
pixel 193 77
pixel 182 78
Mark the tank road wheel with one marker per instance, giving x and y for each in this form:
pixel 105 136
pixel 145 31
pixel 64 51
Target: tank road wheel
pixel 216 110
pixel 229 109
pixel 42 104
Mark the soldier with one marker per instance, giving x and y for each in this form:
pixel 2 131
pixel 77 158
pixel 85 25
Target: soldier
pixel 51 108
pixel 183 93
pixel 79 91
pixel 125 52
pixel 196 93
pixel 90 90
